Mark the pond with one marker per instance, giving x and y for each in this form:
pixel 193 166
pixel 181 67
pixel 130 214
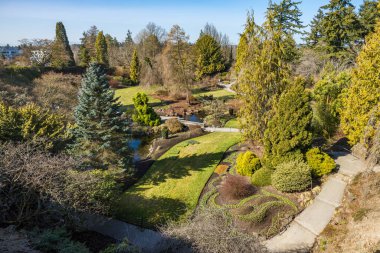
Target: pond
pixel 197 117
pixel 140 147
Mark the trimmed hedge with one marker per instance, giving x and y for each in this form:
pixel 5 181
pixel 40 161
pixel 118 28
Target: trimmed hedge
pixel 319 162
pixel 292 176
pixel 247 163
pixel 262 177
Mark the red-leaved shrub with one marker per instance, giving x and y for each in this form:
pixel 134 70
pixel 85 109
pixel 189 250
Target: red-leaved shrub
pixel 236 187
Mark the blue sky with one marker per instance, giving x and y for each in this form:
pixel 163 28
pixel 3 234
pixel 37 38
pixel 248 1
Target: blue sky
pixel 36 18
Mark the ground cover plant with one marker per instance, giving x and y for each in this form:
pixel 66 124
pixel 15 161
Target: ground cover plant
pixel 171 187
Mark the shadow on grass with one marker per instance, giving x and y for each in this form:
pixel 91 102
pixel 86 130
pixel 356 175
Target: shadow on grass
pixel 150 212
pixel 175 167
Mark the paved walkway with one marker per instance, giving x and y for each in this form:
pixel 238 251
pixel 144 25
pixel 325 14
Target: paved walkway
pixel 302 232
pixel 227 87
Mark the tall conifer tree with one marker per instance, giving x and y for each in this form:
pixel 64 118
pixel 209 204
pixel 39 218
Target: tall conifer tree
pixel 61 55
pixel 101 49
pixel 100 133
pixel 134 69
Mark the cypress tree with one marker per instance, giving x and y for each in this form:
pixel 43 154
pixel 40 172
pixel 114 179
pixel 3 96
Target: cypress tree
pixel 101 49
pixel 100 133
pixel 361 102
pixel 264 77
pixel 245 37
pixel 134 68
pixel 61 55
pixel 209 56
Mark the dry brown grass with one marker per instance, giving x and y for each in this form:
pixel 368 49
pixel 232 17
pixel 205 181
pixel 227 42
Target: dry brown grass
pixel 57 92
pixel 356 226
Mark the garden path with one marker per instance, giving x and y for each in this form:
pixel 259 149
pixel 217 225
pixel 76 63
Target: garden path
pixel 302 232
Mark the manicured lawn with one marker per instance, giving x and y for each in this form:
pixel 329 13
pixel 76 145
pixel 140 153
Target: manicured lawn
pixel 126 95
pixel 171 187
pixel 216 93
pixel 233 123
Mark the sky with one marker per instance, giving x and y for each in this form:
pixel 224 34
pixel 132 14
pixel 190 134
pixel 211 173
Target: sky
pixel 35 19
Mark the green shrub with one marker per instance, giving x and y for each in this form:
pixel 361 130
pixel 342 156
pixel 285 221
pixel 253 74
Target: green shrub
pixel 292 176
pixel 319 162
pixel 144 113
pixel 56 240
pixel 262 177
pixel 165 132
pixel 31 122
pixel 247 163
pixel 271 161
pixel 174 125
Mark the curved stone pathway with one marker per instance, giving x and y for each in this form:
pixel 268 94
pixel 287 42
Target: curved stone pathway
pixel 302 232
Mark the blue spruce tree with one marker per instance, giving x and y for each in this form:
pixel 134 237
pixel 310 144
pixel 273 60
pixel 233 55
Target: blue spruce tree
pixel 101 133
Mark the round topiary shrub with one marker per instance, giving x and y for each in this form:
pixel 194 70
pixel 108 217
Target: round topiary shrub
pixel 292 176
pixel 247 163
pixel 262 177
pixel 319 162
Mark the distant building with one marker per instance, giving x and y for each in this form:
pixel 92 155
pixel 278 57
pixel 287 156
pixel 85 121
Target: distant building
pixel 9 52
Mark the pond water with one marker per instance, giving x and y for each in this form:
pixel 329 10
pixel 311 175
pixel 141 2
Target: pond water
pixel 198 117
pixel 140 147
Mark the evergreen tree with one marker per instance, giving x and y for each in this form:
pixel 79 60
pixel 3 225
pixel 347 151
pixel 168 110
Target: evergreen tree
pixel 144 113
pixel 316 30
pixel 369 14
pixel 341 29
pixel 101 133
pixel 87 51
pixel 128 39
pixel 263 79
pixel 327 95
pixel 290 128
pixel 287 16
pixel 209 56
pixel 134 68
pixel 84 56
pixel 101 49
pixel 245 38
pixel 61 55
pixel 361 102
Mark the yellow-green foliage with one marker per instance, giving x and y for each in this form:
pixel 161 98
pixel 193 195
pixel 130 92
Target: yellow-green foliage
pixel 292 176
pixel 30 122
pixel 134 68
pixel 247 163
pixel 361 102
pixel 262 177
pixel 319 162
pixel 290 127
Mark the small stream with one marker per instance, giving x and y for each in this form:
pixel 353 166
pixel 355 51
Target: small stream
pixel 140 147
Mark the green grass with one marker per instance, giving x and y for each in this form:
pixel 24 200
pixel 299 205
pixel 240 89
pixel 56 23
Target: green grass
pixel 126 95
pixel 216 93
pixel 171 187
pixel 233 123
